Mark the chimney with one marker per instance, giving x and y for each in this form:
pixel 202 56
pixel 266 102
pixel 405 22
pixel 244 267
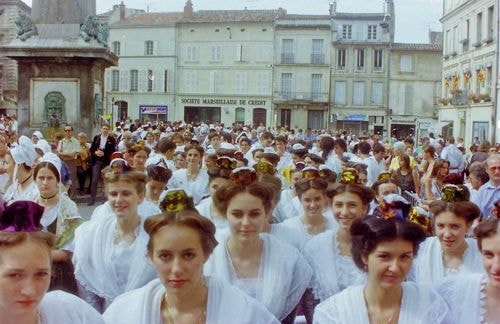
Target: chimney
pixel 333 8
pixel 188 10
pixel 122 11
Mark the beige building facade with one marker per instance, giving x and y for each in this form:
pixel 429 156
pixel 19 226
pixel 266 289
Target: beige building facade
pixel 225 66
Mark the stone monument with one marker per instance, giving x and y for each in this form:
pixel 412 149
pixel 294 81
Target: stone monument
pixel 62 52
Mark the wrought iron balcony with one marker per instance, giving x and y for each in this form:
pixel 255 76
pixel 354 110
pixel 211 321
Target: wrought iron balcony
pixel 287 58
pixel 301 96
pixel 317 58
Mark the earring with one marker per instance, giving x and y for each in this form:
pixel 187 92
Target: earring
pixel 365 267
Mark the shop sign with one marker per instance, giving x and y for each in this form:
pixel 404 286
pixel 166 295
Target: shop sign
pixel 158 110
pixel 355 117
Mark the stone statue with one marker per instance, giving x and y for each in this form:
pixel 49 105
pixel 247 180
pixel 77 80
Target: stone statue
pixel 90 28
pixel 103 33
pixel 25 27
pixel 54 110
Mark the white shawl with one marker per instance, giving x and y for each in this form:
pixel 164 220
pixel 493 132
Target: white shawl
pixel 60 307
pixel 428 266
pixel 226 304
pixel 463 298
pixel 332 272
pixel 418 304
pixel 300 229
pixel 283 278
pixel 94 245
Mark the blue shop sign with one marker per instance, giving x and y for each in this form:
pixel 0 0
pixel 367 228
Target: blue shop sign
pixel 153 109
pixel 355 117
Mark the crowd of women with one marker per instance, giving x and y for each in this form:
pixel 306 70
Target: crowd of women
pixel 253 231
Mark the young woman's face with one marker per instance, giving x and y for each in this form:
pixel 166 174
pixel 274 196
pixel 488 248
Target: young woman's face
pixel 244 146
pixel 178 258
pixel 388 265
pixel 24 277
pixel 124 198
pixel 313 202
pixel 309 162
pixel 139 160
pixel 386 189
pixel 46 182
pixel 450 230
pixel 347 207
pixel 216 183
pixel 180 162
pixel 246 216
pixel 445 169
pixel 154 189
pixel 491 259
pixel 193 158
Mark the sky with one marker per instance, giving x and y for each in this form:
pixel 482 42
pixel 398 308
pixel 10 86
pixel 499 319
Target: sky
pixel 414 18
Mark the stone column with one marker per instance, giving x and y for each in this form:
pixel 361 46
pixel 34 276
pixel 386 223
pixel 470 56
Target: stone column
pixel 62 11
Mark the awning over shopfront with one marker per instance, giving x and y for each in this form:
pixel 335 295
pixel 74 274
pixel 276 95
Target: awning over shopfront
pixel 437 126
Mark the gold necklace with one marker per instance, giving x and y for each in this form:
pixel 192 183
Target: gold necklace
pixel 202 316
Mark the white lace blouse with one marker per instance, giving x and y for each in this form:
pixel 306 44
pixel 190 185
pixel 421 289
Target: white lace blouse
pixel 428 266
pixel 283 277
pixel 332 272
pixel 419 305
pixel 465 297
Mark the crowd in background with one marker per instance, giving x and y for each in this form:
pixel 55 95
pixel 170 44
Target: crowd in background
pixel 366 229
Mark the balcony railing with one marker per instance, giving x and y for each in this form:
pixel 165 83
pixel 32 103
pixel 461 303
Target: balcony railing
pixel 317 58
pixel 301 96
pixel 287 58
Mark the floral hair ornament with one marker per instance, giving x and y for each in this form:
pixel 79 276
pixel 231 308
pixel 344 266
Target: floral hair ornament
pixel 384 176
pixel 310 173
pixel 264 167
pixel 243 176
pixel 226 163
pixel 419 216
pixel 453 193
pixel 327 174
pixel 175 200
pixel 21 216
pixel 349 176
pixel 393 206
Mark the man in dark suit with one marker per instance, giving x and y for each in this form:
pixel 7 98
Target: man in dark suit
pixel 101 149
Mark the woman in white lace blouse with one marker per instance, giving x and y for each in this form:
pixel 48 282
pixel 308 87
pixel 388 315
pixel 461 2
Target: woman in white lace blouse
pixel 261 265
pixel 329 253
pixel 384 249
pixel 475 298
pixel 449 252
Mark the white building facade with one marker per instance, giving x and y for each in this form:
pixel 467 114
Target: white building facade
pixel 414 87
pixel 302 71
pixel 360 69
pixel 142 86
pixel 470 69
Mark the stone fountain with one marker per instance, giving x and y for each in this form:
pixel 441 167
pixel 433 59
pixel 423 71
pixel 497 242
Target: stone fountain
pixel 62 52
